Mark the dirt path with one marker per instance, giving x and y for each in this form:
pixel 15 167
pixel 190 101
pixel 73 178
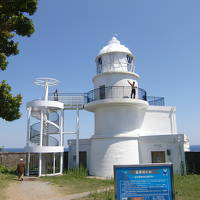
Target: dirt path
pixel 32 189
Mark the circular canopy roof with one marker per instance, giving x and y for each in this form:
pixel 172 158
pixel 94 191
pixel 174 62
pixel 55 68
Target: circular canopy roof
pixel 43 81
pixel 114 46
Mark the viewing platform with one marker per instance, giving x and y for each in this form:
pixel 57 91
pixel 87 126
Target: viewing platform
pixel 78 100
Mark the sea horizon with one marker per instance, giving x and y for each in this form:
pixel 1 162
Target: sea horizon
pixel 193 148
pixel 18 149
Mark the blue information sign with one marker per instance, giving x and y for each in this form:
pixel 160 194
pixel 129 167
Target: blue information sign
pixel 144 182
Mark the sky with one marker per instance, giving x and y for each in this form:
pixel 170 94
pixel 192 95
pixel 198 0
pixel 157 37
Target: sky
pixel 164 36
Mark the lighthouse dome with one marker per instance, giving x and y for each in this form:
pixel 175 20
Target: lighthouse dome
pixel 114 57
pixel 114 46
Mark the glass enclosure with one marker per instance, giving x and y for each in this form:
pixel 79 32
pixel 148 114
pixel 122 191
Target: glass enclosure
pixel 50 164
pixel 120 62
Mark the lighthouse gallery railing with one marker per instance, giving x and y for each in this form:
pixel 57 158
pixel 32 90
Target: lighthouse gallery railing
pixel 72 100
pixel 115 92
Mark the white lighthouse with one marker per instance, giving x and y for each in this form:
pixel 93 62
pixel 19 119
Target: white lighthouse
pixel 131 127
pixel 118 117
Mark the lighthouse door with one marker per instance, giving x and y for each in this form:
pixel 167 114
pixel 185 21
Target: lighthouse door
pixel 102 92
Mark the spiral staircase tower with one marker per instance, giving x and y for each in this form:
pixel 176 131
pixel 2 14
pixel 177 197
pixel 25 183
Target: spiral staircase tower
pixel 44 145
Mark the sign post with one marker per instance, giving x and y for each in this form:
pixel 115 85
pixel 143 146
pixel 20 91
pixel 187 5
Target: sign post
pixel 144 182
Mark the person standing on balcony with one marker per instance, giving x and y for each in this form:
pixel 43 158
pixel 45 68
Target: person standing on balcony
pixel 56 95
pixel 20 169
pixel 133 89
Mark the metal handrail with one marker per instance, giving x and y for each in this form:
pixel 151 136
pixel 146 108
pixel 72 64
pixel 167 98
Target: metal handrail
pixel 80 99
pixel 49 129
pixel 115 92
pixel 156 101
pixel 70 99
pixel 51 140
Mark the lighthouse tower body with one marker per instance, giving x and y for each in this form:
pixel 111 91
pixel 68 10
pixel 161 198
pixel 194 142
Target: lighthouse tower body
pixel 118 118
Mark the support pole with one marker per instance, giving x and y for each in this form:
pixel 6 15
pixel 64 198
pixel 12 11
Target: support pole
pixel 61 139
pixel 77 137
pixel 41 134
pixel 28 139
pixel 40 164
pixel 61 128
pixel 41 127
pixel 54 163
pixel 28 127
pixel 61 162
pixel 28 164
pixel 46 91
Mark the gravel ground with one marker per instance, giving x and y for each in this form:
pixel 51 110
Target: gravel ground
pixel 32 189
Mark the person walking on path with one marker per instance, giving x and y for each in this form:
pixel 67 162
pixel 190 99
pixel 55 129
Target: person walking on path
pixel 20 169
pixel 133 89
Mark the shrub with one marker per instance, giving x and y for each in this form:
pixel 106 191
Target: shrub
pixel 3 169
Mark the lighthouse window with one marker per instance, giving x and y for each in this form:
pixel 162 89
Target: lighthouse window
pixel 99 61
pixel 158 156
pixel 129 59
pixel 99 69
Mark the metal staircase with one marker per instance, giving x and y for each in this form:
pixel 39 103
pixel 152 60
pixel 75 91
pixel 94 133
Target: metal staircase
pixel 48 129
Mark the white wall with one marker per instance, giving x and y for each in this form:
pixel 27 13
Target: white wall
pixel 112 151
pixel 159 120
pixel 115 79
pixel 173 143
pixel 114 119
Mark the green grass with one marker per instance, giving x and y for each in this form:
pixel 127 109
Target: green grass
pixel 187 187
pixel 6 176
pixel 75 181
pixel 5 179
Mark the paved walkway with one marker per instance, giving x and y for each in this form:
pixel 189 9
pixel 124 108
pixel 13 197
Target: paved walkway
pixel 33 189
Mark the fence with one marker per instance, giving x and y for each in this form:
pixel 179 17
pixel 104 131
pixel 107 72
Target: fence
pixel 192 160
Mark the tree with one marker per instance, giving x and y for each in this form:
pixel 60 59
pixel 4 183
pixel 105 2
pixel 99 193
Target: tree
pixel 13 20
